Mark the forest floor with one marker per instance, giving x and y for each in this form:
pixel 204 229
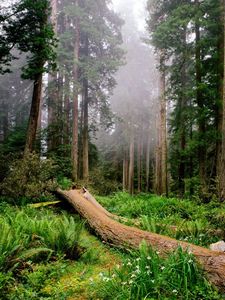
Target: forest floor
pixel 102 272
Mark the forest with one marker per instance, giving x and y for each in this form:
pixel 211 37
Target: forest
pixel 112 149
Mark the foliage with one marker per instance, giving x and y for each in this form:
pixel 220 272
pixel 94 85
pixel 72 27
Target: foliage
pixel 101 184
pixel 30 177
pixel 28 235
pixel 181 219
pixel 194 74
pixel 147 276
pixel 64 183
pixel 36 36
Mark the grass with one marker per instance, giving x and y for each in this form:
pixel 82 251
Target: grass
pixel 180 219
pixel 147 276
pixel 49 255
pixel 66 279
pixel 29 236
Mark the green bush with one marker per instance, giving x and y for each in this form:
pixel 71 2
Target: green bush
pixel 31 178
pixel 102 185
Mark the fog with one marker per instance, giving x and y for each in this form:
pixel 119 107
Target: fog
pixel 135 98
pixel 134 101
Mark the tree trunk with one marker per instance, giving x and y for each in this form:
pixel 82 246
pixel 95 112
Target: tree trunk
pixel 85 117
pixel 200 103
pixel 34 113
pixel 75 102
pixel 52 87
pixel 85 132
pixel 219 103
pixel 39 126
pixel 67 108
pixel 59 112
pixel 122 236
pixel 158 160
pixel 164 134
pixel 181 114
pixel 139 165
pixel 131 165
pixel 125 168
pixel 148 163
pixel 222 167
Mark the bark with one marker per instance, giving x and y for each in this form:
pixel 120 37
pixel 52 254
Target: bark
pixel 67 109
pixel 162 165
pixel 219 104
pixel 200 103
pixel 222 168
pixel 148 163
pixel 158 163
pixel 39 126
pixel 59 112
pixel 52 86
pixel 139 163
pixel 122 236
pixel 80 150
pixel 85 119
pixel 131 165
pixel 34 113
pixel 182 123
pixel 85 133
pixel 75 102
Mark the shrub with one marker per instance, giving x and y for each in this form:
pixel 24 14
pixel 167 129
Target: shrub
pixel 31 178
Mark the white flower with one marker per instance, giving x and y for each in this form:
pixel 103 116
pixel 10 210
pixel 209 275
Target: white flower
pixel 147 267
pixel 131 281
pixel 91 279
pixel 174 291
pixel 137 259
pixel 190 261
pixel 113 275
pixel 124 283
pixel 157 252
pixel 152 281
pixel 106 279
pixel 129 263
pixel 101 274
pixel 149 257
pixel 133 276
pixel 118 266
pixel 162 268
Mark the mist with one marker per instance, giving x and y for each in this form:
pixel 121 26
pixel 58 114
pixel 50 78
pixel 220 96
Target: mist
pixel 135 99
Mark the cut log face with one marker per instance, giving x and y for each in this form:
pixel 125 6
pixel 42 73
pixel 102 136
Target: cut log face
pixel 119 235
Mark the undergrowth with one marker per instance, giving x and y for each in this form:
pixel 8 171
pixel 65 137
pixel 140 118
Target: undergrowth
pixel 50 256
pixel 181 219
pixel 29 236
pixel 145 275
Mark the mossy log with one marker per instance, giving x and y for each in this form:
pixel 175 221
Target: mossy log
pixel 120 235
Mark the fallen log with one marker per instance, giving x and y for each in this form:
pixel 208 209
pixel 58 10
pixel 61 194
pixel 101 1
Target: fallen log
pixel 91 199
pixel 119 235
